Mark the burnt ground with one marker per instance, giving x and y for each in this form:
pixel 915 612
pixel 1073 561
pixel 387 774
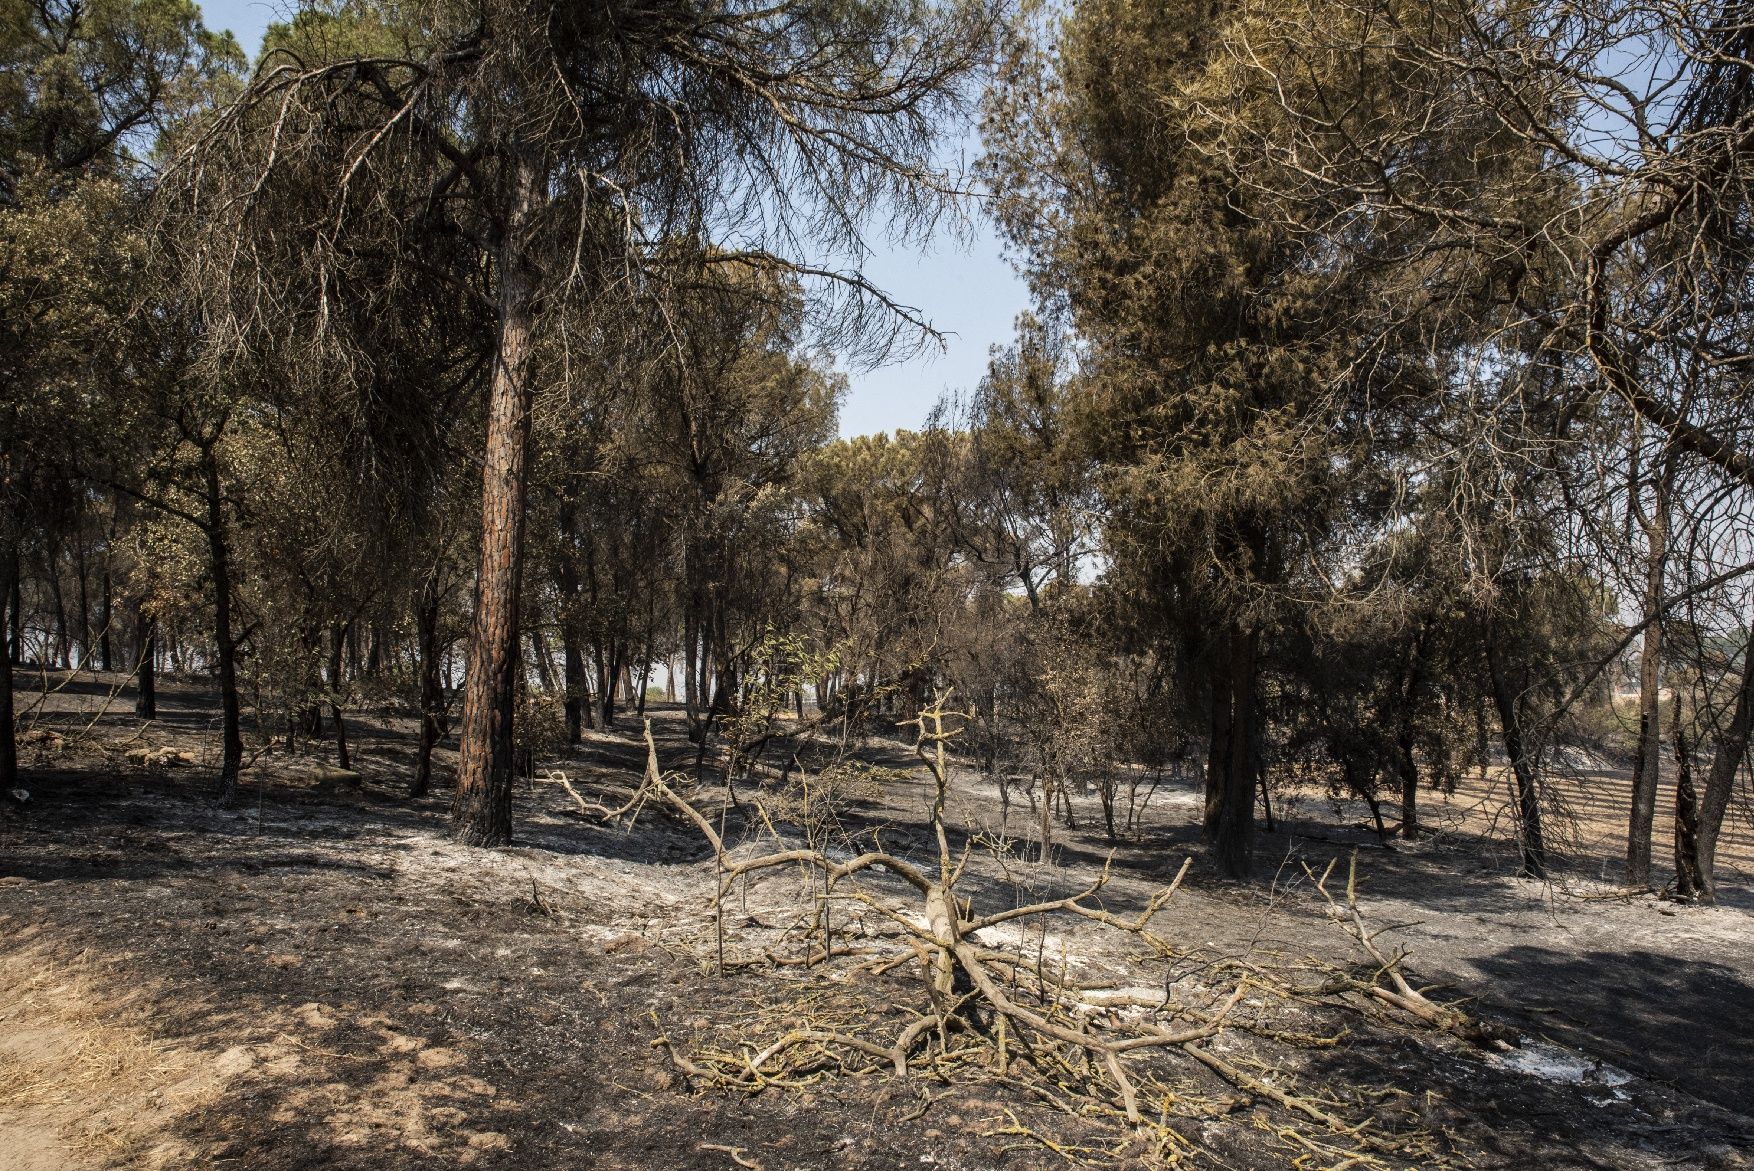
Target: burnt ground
pixel 319 978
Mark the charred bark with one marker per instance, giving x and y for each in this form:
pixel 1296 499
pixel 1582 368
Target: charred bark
pixel 1233 841
pixel 1531 841
pixel 337 645
pixel 1687 881
pixel 1647 757
pixel 1730 751
pixel 106 616
pixel 481 813
pixel 145 662
pixel 8 582
pixel 224 644
pixel 431 694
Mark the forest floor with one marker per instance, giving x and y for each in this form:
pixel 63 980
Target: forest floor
pixel 320 978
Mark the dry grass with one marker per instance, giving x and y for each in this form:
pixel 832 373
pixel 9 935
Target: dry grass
pixel 80 1074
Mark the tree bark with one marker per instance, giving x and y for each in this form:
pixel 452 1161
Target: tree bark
pixel 8 581
pixel 15 611
pixel 146 661
pixel 572 661
pixel 690 647
pixel 431 698
pixel 1233 843
pixel 1687 881
pixel 1647 757
pixel 63 640
pixel 1409 785
pixel 609 671
pixel 1531 841
pixel 83 594
pixel 1730 751
pixel 337 645
pixel 578 690
pixel 106 615
pixel 544 660
pixel 219 567
pixel 1217 746
pixel 481 813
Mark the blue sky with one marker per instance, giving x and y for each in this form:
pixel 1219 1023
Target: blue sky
pixel 964 287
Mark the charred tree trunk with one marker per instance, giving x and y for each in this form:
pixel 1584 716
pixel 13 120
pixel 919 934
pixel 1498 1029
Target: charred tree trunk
pixel 572 652
pixel 1405 737
pixel 1531 841
pixel 1233 840
pixel 481 813
pixel 608 672
pixel 106 616
pixel 9 527
pixel 309 720
pixel 63 640
pixel 145 662
pixel 225 646
pixel 337 645
pixel 690 647
pixel 1730 751
pixel 82 594
pixel 431 696
pixel 544 660
pixel 1647 757
pixel 577 690
pixel 1687 881
pixel 15 610
pixel 1217 748
pixel 1409 769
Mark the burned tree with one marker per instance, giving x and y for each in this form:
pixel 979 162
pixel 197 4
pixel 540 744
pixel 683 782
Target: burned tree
pixel 555 148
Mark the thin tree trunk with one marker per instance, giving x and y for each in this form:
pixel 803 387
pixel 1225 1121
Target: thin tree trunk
pixel 1531 841
pixel 63 641
pixel 572 654
pixel 690 703
pixel 431 699
pixel 1409 769
pixel 1730 751
pixel 106 616
pixel 481 813
pixel 608 671
pixel 1266 797
pixel 10 525
pixel 1687 881
pixel 1647 758
pixel 15 610
pixel 1217 746
pixel 8 583
pixel 146 666
pixel 219 568
pixel 1233 844
pixel 1404 739
pixel 83 595
pixel 544 661
pixel 310 717
pixel 577 690
pixel 337 645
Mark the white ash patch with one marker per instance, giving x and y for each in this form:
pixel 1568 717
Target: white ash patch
pixel 1552 1063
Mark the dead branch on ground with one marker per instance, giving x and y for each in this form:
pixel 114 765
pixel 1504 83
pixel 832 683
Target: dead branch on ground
pixel 1398 992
